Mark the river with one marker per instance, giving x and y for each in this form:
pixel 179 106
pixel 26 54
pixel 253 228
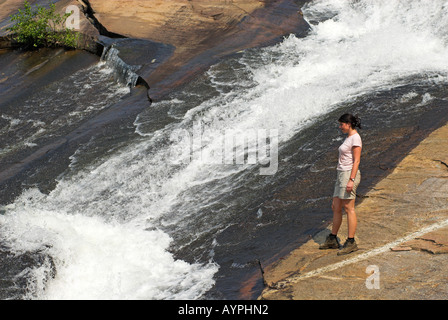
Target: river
pixel 158 208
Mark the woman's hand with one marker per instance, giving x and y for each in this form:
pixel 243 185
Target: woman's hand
pixel 349 187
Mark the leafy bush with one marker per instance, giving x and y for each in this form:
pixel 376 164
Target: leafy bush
pixel 42 27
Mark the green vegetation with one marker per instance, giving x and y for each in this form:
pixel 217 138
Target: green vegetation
pixel 42 27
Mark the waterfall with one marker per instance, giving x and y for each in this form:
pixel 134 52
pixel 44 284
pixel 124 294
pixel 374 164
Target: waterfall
pixel 111 229
pixel 124 73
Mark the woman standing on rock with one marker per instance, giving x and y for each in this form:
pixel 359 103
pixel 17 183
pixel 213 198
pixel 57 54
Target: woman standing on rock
pixel 348 178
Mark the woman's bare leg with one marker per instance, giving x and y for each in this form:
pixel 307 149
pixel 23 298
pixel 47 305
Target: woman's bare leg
pixel 336 206
pixel 349 207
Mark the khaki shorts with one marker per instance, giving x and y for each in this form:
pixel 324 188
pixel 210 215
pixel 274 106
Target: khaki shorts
pixel 341 184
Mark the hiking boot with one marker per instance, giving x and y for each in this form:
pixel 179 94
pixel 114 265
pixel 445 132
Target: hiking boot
pixel 348 247
pixel 330 243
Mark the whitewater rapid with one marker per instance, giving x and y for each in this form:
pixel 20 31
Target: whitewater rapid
pixel 109 230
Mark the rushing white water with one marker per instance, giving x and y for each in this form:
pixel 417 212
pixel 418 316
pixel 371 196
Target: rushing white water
pixel 109 228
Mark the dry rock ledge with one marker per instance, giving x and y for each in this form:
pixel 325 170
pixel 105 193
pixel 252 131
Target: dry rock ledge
pixel 402 235
pixel 200 31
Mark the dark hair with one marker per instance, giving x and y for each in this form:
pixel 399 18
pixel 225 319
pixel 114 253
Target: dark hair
pixel 354 121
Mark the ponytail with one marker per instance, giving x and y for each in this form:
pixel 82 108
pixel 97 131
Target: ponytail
pixel 354 121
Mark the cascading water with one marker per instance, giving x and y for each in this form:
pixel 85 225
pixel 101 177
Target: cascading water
pixel 147 224
pixel 125 73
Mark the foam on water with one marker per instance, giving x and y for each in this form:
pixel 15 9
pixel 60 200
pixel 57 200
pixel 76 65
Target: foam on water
pixel 95 259
pixel 109 228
